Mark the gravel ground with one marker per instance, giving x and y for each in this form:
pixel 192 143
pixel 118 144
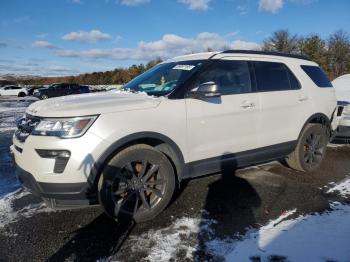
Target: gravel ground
pixel 221 206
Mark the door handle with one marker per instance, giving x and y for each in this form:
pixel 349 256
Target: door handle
pixel 247 104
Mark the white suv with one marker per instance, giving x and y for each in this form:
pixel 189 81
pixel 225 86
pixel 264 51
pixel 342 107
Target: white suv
pixel 184 118
pixel 13 91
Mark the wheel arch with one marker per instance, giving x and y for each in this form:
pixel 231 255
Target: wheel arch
pixel 21 94
pixel 164 143
pixel 318 118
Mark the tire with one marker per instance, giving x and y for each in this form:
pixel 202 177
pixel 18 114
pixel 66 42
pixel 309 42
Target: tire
pixel 21 94
pixel 311 149
pixel 43 97
pixel 137 183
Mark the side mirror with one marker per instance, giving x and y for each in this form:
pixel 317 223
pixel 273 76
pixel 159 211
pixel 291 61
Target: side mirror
pixel 207 90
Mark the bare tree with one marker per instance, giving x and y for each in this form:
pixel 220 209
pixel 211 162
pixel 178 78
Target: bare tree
pixel 339 53
pixel 282 41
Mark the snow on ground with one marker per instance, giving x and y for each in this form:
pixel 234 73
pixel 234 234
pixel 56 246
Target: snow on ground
pixel 342 188
pixel 319 237
pixel 316 237
pixel 179 238
pixel 8 214
pixel 10 110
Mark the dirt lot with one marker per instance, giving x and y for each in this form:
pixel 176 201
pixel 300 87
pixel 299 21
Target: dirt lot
pixel 222 206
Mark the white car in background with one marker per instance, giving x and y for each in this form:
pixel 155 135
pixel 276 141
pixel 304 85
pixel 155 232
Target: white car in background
pixel 13 91
pixel 342 89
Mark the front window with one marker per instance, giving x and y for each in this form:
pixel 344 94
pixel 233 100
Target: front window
pixel 163 78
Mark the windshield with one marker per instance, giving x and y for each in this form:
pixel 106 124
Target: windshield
pixel 163 78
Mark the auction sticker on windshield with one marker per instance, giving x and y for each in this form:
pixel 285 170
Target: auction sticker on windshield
pixel 184 67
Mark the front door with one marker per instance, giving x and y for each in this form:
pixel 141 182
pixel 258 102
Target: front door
pixel 225 125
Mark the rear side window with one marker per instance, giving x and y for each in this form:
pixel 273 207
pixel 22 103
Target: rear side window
pixel 317 76
pixel 271 76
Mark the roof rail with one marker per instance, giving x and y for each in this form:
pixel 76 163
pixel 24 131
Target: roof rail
pixel 253 52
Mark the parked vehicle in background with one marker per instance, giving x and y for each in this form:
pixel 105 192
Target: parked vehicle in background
pixel 31 90
pixel 342 89
pixel 186 117
pixel 13 91
pixel 62 89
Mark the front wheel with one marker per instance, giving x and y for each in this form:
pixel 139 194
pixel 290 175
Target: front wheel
pixel 43 97
pixel 137 183
pixel 310 150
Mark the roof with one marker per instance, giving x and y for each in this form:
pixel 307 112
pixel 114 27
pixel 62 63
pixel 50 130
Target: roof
pixel 253 52
pixel 208 55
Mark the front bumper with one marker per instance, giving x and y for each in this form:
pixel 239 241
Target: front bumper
pixel 58 196
pixel 343 135
pixel 72 186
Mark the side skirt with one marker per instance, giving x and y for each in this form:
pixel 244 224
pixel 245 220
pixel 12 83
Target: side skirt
pixel 238 160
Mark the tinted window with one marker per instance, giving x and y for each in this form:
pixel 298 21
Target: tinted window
pixel 61 87
pixel 232 77
pixel 271 76
pixel 317 76
pixel 294 83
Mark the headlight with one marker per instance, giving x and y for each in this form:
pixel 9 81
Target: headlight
pixel 64 127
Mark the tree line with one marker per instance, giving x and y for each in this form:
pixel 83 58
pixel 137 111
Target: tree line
pixel 116 76
pixel 332 54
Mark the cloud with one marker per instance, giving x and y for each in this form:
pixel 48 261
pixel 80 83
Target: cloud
pixel 20 67
pixel 44 44
pixel 232 34
pixel 133 2
pixel 57 69
pixel 3 45
pixel 84 36
pixel 242 9
pixel 168 46
pixel 17 20
pixel 21 19
pixel 42 36
pixel 271 6
pixel 199 5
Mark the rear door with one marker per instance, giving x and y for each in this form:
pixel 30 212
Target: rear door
pixel 227 124
pixel 13 90
pixel 284 105
pixel 74 89
pixel 60 90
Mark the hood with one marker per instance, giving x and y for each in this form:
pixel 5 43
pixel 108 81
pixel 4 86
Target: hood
pixel 92 104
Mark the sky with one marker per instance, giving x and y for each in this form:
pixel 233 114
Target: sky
pixel 69 37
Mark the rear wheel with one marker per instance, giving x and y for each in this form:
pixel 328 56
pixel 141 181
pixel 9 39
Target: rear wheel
pixel 137 183
pixel 310 150
pixel 21 94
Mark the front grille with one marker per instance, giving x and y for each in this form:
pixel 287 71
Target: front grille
pixel 25 126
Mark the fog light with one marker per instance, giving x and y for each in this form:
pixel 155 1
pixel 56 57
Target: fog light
pixel 61 158
pixel 53 153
